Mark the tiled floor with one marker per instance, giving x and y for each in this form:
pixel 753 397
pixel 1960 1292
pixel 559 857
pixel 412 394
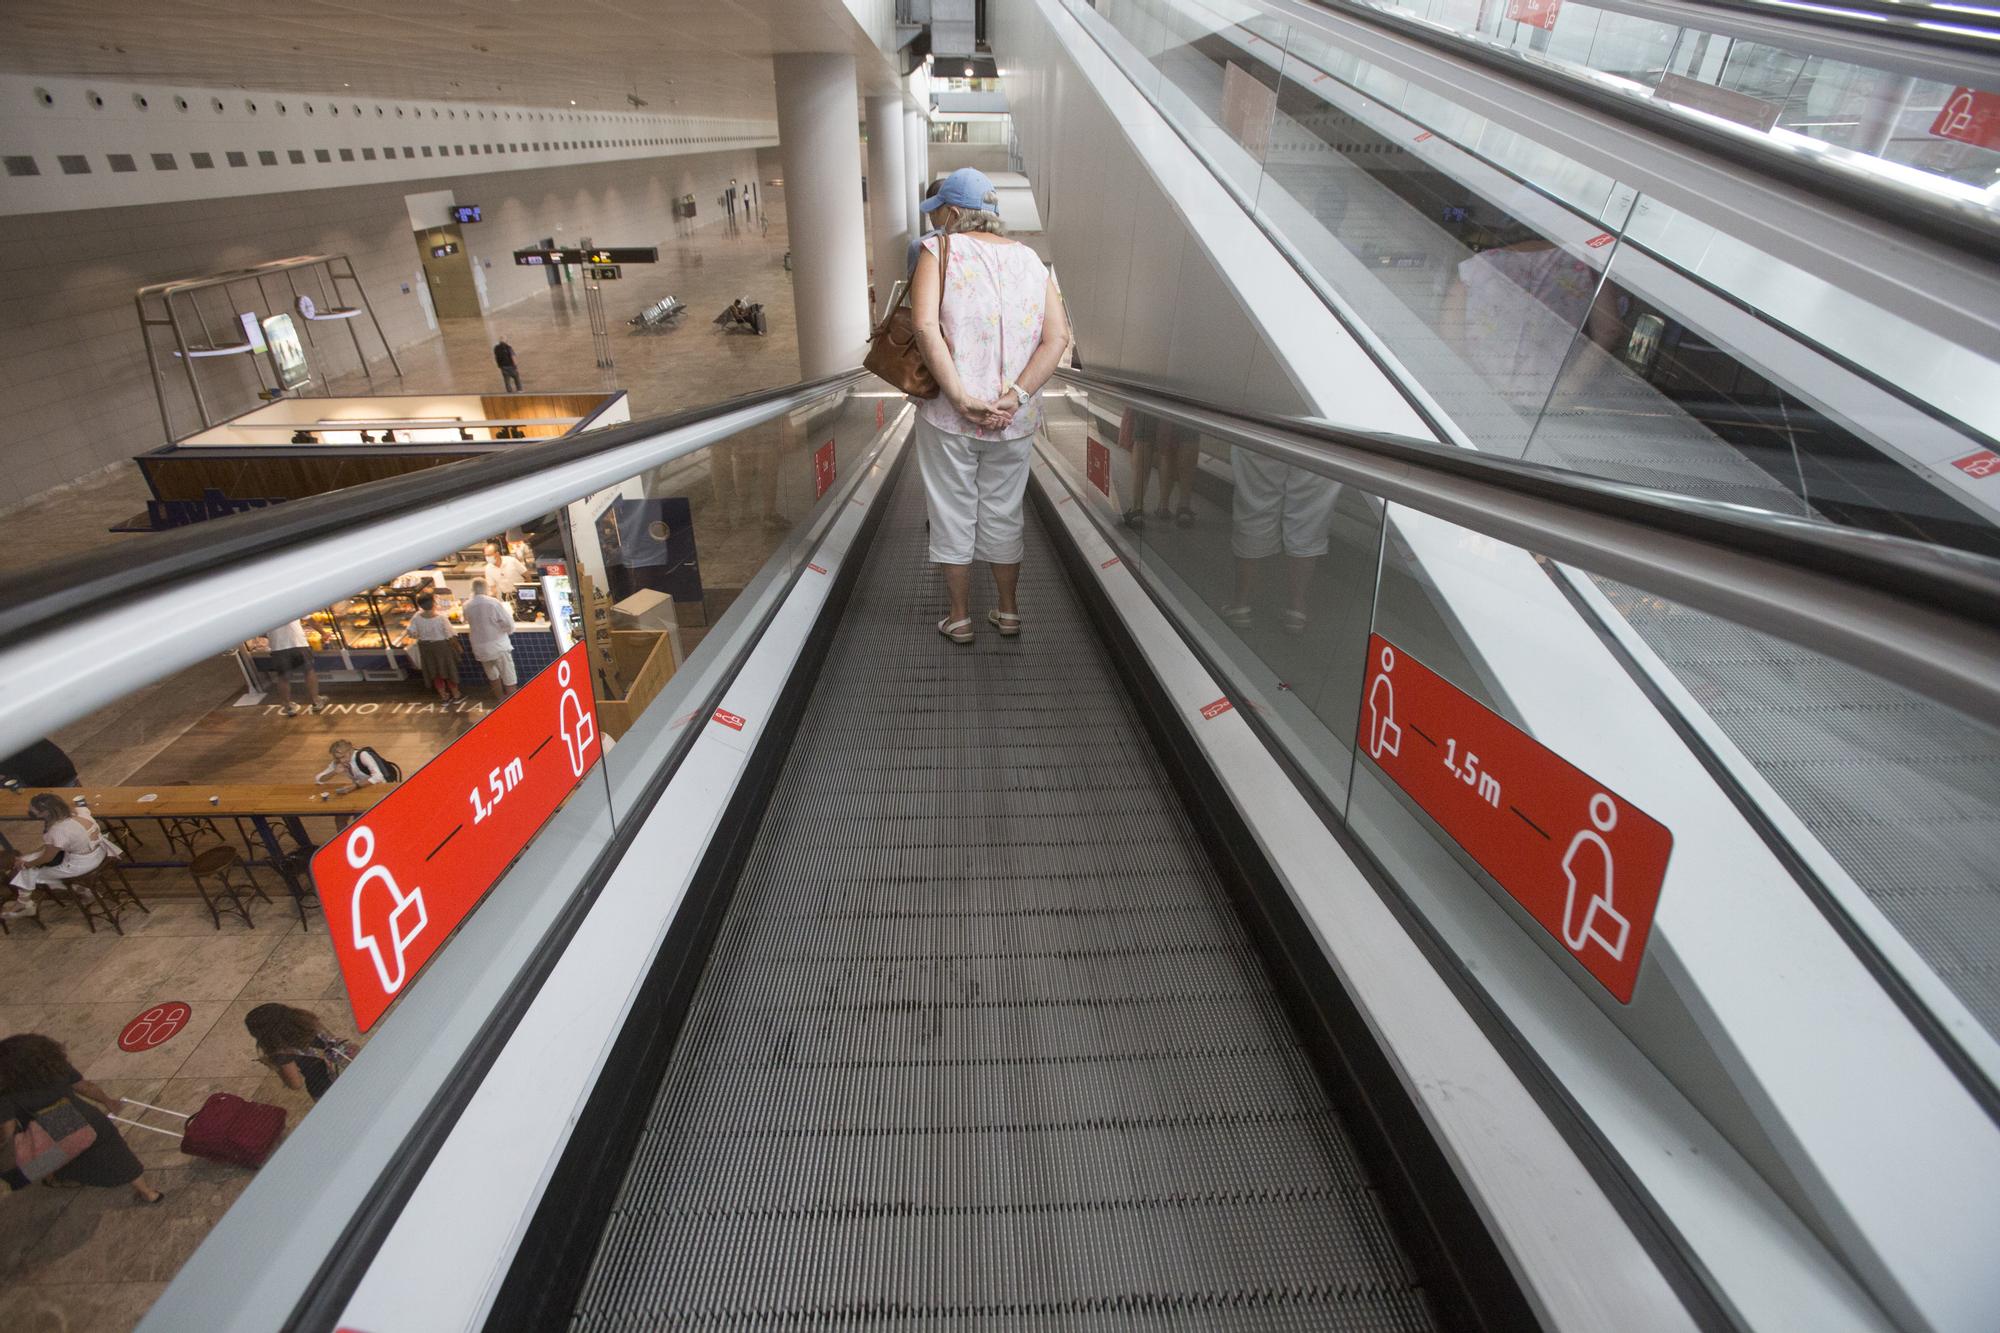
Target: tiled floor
pixel 91 1260
pixel 693 364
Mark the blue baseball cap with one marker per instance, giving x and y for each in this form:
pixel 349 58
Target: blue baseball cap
pixel 965 188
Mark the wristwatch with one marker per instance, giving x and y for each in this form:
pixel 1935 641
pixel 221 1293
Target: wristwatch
pixel 1018 391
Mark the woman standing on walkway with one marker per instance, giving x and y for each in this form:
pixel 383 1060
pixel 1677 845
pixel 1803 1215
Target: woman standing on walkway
pixel 36 1078
pixel 991 328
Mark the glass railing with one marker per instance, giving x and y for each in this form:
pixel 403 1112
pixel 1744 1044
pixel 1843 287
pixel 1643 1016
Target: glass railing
pixel 1565 826
pixel 184 948
pixel 1537 307
pixel 1938 136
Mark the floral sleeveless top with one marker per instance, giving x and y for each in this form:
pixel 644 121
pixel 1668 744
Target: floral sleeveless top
pixel 991 315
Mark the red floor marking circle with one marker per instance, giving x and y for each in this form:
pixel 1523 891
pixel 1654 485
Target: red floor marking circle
pixel 154 1026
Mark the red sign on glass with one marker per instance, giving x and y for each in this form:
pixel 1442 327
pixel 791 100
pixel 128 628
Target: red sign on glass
pixel 1985 463
pixel 1970 116
pixel 1584 862
pixel 1097 465
pixel 825 468
pixel 1535 13
pixel 397 881
pixel 155 1025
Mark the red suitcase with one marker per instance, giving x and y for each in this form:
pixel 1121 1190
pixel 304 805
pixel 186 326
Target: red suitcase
pixel 227 1128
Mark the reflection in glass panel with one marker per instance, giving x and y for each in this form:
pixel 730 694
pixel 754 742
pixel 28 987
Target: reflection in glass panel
pixel 1904 793
pixel 1648 399
pixel 667 561
pixel 1280 559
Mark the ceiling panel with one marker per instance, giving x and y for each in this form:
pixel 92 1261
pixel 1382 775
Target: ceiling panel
pixel 708 57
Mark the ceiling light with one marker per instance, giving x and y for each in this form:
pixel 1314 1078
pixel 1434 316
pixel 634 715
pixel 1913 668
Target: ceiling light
pixel 572 101
pixel 968 71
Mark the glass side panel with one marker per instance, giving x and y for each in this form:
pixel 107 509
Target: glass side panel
pixel 184 944
pixel 1928 131
pixel 1275 564
pixel 1553 313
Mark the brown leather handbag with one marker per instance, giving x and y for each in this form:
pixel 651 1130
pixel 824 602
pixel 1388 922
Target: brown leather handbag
pixel 893 353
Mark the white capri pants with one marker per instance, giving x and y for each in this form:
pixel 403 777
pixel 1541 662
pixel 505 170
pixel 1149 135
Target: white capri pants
pixel 1279 506
pixel 975 488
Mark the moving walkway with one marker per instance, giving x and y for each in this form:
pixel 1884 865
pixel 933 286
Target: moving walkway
pixel 1071 980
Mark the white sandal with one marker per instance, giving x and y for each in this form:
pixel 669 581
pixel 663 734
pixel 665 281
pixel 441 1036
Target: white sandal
pixel 1006 622
pixel 958 631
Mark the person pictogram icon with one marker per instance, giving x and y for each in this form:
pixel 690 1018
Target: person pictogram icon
pixel 1588 913
pixel 391 968
pixel 1385 736
pixel 579 728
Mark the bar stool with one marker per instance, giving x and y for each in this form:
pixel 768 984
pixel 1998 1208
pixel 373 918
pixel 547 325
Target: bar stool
pixel 181 831
pixel 122 889
pixel 219 872
pixel 101 902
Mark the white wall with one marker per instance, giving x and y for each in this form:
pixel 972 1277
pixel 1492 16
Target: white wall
pixel 70 130
pixel 72 362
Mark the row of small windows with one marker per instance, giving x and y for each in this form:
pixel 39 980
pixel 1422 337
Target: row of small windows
pixel 48 99
pixel 79 165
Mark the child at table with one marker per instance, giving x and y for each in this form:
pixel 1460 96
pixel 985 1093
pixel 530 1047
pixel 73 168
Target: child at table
pixel 297 1045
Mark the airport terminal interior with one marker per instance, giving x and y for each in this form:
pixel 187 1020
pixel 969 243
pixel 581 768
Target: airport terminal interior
pixel 1003 664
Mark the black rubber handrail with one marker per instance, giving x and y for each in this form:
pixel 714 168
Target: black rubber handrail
pixel 1965 585
pixel 103 578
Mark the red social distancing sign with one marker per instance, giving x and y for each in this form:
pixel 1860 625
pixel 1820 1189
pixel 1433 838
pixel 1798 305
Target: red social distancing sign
pixel 825 469
pixel 1097 465
pixel 155 1025
pixel 397 881
pixel 1585 863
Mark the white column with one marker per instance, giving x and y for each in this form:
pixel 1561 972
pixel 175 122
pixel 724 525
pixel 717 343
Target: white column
pixel 819 140
pixel 888 191
pixel 916 142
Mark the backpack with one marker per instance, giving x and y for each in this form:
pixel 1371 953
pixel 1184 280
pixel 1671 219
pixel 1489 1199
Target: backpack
pixel 389 769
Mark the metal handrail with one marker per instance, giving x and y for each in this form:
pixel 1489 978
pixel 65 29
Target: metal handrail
pixel 114 575
pixel 79 636
pixel 1923 617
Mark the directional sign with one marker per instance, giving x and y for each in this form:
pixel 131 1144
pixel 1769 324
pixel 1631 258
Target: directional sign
pixel 617 254
pixel 398 881
pixel 1585 863
pixel 602 272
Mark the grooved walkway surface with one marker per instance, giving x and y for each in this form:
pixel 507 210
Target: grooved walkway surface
pixel 981 1042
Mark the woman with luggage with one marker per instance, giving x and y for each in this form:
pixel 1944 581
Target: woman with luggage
pixel 38 1084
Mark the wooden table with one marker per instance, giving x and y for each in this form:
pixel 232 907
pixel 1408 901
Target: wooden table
pixel 258 803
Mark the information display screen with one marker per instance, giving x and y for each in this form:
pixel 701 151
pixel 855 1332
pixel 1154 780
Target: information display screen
pixel 465 213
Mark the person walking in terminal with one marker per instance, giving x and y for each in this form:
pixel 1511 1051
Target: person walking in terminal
pixel 291 652
pixel 992 329
pixel 298 1048
pixel 37 1082
pixel 72 845
pixel 492 623
pixel 510 374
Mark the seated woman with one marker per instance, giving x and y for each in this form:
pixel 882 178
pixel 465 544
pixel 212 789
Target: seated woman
pixel 72 845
